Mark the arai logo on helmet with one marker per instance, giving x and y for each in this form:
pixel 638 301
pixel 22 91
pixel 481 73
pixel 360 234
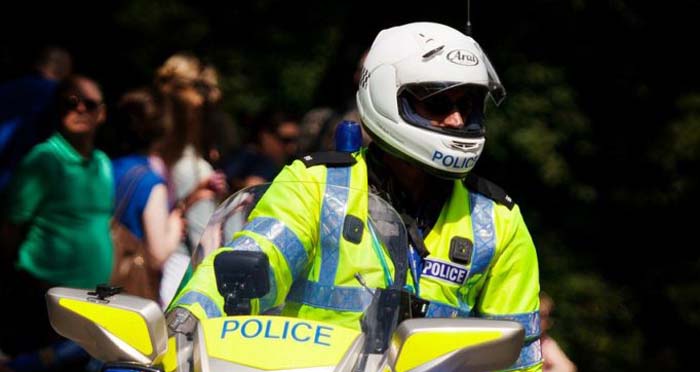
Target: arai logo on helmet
pixel 462 57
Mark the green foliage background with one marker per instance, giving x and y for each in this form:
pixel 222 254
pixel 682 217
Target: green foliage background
pixel 598 140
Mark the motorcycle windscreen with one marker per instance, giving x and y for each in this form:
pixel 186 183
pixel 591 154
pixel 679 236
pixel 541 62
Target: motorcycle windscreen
pixel 281 215
pixel 316 211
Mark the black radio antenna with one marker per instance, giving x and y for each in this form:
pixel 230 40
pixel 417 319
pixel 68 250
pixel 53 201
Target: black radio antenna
pixel 468 26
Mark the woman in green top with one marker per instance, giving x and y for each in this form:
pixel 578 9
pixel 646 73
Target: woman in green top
pixel 56 215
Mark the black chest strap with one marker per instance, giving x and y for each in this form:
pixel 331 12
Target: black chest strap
pixel 488 189
pixel 414 235
pixel 329 159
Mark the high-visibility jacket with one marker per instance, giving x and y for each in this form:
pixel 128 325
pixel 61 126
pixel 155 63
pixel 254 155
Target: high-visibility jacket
pixel 298 224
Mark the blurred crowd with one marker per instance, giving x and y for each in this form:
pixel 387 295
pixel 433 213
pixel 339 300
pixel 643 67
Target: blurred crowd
pixel 173 156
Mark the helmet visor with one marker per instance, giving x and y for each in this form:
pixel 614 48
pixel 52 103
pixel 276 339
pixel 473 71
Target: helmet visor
pixel 496 90
pixel 432 103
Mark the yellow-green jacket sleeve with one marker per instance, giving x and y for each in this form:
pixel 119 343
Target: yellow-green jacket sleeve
pixel 511 289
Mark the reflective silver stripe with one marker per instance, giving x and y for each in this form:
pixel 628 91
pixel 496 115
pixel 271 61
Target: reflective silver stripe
pixel 284 239
pixel 245 243
pixel 440 310
pixel 530 354
pixel 329 296
pixel 484 232
pixel 207 304
pixel 335 201
pixel 529 321
pixel 481 212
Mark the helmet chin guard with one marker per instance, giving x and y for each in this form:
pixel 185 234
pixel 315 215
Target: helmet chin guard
pixel 425 60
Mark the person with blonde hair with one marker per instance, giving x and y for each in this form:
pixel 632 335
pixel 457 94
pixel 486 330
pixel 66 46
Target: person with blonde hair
pixel 191 180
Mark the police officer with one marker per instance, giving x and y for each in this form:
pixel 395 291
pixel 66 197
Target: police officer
pixel 421 98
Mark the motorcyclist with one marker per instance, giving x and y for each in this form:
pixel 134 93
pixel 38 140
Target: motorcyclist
pixel 421 98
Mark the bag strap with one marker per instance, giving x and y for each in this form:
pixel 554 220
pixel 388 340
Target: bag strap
pixel 133 176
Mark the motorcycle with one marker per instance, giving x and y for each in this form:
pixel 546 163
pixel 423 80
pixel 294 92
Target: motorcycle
pixel 132 334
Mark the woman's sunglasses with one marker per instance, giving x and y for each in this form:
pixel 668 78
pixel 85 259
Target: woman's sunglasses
pixel 72 102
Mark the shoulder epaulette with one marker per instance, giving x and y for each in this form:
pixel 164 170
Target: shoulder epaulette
pixel 488 189
pixel 329 159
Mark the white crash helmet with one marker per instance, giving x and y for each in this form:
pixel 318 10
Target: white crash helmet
pixel 419 61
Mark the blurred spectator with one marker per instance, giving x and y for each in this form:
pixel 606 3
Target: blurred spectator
pixel 56 223
pixel 277 138
pixel 555 360
pixel 221 135
pixel 146 213
pixel 192 181
pixel 190 176
pixel 318 124
pixel 22 104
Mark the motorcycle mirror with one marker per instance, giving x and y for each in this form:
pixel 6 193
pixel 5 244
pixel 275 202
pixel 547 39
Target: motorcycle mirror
pixel 240 277
pixel 109 327
pixel 448 345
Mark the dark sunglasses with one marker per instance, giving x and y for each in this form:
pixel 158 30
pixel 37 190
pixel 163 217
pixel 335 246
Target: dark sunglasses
pixel 72 102
pixel 441 104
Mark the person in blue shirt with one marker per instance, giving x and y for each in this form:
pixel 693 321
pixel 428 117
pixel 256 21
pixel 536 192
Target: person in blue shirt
pixel 141 194
pixel 24 103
